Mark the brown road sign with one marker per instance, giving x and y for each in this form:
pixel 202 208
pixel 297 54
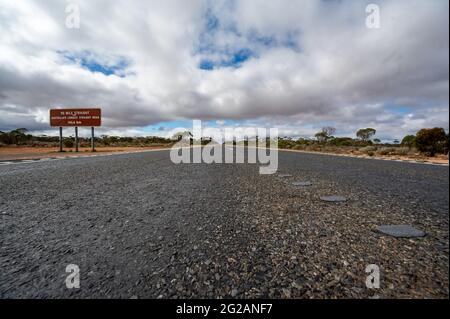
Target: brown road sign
pixel 75 117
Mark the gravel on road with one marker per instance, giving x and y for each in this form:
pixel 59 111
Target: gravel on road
pixel 139 226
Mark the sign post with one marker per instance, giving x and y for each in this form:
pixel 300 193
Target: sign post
pixel 60 139
pixel 76 138
pixel 75 118
pixel 92 140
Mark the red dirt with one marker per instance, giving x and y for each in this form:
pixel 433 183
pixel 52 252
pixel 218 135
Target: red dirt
pixel 15 153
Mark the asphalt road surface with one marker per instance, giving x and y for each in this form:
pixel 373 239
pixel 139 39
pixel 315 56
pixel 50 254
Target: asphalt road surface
pixel 139 226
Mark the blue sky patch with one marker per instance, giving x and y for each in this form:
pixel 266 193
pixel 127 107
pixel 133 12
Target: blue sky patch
pixel 214 55
pixel 399 109
pixel 206 65
pixel 234 60
pixel 87 60
pixel 167 125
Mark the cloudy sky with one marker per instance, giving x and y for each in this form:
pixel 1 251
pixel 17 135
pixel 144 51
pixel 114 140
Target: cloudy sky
pixel 153 66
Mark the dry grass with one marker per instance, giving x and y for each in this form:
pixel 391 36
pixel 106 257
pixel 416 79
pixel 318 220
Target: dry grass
pixel 374 151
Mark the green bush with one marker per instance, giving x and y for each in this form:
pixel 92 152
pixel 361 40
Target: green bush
pixel 431 141
pixel 408 140
pixel 303 141
pixel 68 143
pixel 366 133
pixel 342 141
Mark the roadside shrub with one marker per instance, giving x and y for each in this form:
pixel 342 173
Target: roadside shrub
pixel 332 149
pixel 341 141
pixel 408 140
pixel 43 144
pixel 384 150
pixel 286 143
pixel 314 148
pixel 17 136
pixel 68 143
pixel 5 138
pixel 303 141
pixel 368 149
pixel 298 147
pixel 401 151
pixel 431 141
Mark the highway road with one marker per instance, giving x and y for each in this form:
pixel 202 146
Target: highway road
pixel 139 226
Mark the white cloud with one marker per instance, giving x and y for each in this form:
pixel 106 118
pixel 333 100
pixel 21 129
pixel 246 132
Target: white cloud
pixel 311 63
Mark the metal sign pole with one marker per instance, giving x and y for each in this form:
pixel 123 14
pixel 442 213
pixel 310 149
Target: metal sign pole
pixel 92 139
pixel 76 139
pixel 60 139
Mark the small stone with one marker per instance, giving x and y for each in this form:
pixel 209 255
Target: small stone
pixel 333 198
pixel 160 238
pixel 284 175
pixel 296 285
pixel 302 183
pixel 399 231
pixel 286 293
pixel 234 292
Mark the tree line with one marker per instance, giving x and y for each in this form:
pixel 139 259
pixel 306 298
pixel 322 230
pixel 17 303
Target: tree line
pixel 21 136
pixel 429 141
